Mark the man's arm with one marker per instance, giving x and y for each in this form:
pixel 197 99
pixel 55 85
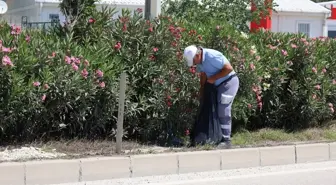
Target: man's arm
pixel 202 82
pixel 227 68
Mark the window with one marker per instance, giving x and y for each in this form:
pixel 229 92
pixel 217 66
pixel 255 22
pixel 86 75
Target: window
pixel 304 28
pixel 53 17
pixel 332 34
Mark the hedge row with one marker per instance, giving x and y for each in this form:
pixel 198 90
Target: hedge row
pixel 58 85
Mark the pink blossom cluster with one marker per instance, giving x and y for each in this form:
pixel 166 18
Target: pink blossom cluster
pixel 3 49
pixel 75 62
pixel 16 30
pixel 6 61
pixel 152 56
pixel 257 90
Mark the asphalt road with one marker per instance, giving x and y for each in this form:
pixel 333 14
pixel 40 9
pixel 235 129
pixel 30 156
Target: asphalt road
pixel 300 174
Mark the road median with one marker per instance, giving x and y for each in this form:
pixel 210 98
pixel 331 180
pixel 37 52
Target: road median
pixel 101 168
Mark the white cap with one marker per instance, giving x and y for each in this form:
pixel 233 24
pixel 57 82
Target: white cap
pixel 189 54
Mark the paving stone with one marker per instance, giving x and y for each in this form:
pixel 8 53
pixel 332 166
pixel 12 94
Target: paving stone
pixel 105 168
pixel 280 155
pixel 312 153
pixel 12 173
pixel 199 161
pixel 52 172
pixel 160 164
pixel 240 158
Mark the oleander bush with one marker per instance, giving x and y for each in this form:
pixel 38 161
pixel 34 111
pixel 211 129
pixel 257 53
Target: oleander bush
pixel 57 84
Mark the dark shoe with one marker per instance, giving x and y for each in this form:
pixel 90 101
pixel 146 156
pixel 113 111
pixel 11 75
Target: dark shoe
pixel 224 145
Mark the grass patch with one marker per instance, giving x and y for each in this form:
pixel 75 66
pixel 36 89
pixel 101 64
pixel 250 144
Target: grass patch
pixel 263 137
pixel 277 137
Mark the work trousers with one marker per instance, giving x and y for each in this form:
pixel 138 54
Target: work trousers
pixel 228 90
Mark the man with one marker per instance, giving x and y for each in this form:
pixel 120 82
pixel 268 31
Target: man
pixel 216 69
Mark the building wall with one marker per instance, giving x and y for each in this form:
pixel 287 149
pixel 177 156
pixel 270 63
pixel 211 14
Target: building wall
pixel 288 22
pixel 37 12
pixel 15 17
pixel 331 28
pixel 54 9
pixel 16 4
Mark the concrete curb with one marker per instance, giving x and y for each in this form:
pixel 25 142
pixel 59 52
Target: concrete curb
pixel 101 168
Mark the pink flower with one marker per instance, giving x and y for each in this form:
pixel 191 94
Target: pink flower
pixel 334 82
pixel 43 98
pixel 124 29
pixel 272 47
pixel 6 61
pixel 86 63
pixel 294 46
pixel 36 84
pixel 290 63
pixel 187 132
pixel 284 52
pixel 28 38
pixel 102 84
pixel 76 60
pixel 324 70
pixel 150 29
pixel 139 10
pixel 314 96
pixel 53 54
pixel 99 73
pixel 331 109
pixel 192 70
pixel 169 104
pixel 249 106
pixel 255 88
pixel 16 30
pixel 84 73
pixel 6 50
pixel 252 67
pixel 314 70
pixel 260 104
pixel 317 87
pixel 91 20
pixel 117 46
pixel 74 67
pixel 152 57
pixel 155 49
pixel 46 86
pixel 67 60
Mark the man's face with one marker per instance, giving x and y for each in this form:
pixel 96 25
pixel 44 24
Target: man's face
pixel 197 59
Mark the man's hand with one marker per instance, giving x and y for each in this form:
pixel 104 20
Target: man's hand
pixel 211 80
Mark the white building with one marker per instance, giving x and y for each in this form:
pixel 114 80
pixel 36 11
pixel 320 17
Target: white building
pixel 298 16
pixel 46 10
pixel 331 21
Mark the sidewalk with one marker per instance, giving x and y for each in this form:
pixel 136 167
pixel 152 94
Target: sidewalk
pixel 91 169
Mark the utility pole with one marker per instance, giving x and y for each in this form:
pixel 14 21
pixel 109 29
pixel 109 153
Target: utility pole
pixel 152 8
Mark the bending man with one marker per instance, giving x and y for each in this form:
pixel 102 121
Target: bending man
pixel 217 70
